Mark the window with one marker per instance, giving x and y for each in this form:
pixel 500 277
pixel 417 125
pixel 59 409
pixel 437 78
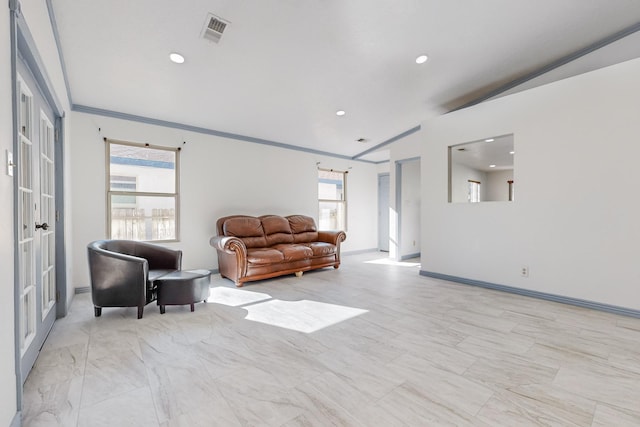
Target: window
pixel 474 191
pixel 142 196
pixel 123 183
pixel 332 200
pixel 487 160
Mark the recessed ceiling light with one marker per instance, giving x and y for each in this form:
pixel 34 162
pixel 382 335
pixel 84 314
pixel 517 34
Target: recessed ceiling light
pixel 489 140
pixel 421 59
pixel 512 152
pixel 492 166
pixel 176 57
pixel 340 113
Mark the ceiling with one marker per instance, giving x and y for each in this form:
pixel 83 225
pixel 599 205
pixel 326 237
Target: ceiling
pixel 284 67
pixel 480 155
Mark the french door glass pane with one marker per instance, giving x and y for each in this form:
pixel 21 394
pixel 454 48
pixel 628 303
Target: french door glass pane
pixel 25 171
pixel 48 291
pixel 28 318
pixel 26 214
pixel 46 177
pixel 45 253
pixel 47 209
pixel 27 265
pixel 25 114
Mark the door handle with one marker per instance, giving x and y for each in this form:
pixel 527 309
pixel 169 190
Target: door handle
pixel 44 226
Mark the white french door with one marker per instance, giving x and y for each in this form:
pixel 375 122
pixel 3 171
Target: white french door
pixel 35 176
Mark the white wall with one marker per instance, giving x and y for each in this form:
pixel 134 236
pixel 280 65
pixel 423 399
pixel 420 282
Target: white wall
pixel 383 168
pixel 7 355
pixel 573 222
pixel 219 177
pixel 37 16
pixel 497 188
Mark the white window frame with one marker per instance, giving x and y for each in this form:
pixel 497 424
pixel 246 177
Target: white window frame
pixel 342 201
pixel 474 191
pixel 110 193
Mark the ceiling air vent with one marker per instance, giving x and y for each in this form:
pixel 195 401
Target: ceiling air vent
pixel 214 27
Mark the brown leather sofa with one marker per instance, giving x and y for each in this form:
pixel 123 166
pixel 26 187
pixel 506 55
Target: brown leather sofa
pixel 254 248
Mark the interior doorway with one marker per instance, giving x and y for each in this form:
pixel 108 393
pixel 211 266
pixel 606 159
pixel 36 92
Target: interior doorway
pixel 407 209
pixel 383 212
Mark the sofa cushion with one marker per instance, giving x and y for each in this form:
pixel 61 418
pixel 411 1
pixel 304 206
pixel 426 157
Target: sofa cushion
pixel 276 230
pixel 293 252
pixel 303 228
pixel 248 229
pixel 262 256
pixel 321 248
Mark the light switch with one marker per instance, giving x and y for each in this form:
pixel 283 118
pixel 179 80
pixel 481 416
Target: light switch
pixel 10 164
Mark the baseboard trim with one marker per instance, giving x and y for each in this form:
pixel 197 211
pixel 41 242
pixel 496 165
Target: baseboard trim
pixel 409 256
pixel 360 251
pixel 536 294
pixel 87 289
pixel 17 420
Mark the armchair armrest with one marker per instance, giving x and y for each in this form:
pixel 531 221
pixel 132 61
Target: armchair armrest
pixel 117 279
pixel 333 237
pixel 229 244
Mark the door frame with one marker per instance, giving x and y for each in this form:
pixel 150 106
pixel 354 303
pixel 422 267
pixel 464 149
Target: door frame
pixel 387 204
pixel 398 208
pixel 24 47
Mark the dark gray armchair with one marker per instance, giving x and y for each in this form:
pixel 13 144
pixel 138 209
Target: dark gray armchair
pixel 123 271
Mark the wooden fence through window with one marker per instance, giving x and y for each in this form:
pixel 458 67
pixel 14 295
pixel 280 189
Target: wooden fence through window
pixel 135 224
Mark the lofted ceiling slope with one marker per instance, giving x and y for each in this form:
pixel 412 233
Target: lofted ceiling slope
pixel 283 67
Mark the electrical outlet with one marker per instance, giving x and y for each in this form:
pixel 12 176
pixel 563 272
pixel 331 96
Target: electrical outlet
pixel 524 271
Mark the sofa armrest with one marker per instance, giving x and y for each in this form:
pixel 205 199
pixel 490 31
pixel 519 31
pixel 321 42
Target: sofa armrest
pixel 229 244
pixel 333 237
pixel 232 257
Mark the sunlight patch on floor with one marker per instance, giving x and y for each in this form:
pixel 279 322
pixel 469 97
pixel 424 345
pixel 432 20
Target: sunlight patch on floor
pixel 235 297
pixel 389 261
pixel 302 316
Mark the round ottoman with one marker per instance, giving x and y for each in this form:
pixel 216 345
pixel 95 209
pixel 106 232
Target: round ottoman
pixel 183 287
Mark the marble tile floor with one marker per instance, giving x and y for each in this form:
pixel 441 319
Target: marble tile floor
pixel 369 344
